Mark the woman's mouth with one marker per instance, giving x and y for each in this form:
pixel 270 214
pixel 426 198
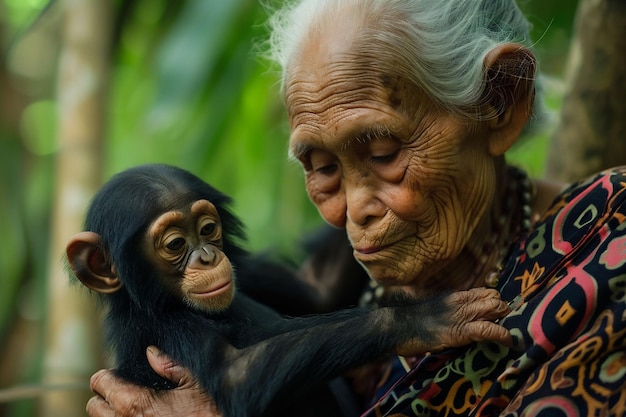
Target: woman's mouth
pixel 369 250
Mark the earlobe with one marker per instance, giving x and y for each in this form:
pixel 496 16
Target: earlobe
pixel 509 93
pixel 88 260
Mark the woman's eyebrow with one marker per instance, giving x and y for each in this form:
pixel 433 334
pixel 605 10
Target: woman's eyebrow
pixel 367 135
pixel 299 150
pixel 361 136
pixel 378 131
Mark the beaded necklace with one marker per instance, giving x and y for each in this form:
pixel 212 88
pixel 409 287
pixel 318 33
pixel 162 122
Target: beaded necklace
pixel 516 210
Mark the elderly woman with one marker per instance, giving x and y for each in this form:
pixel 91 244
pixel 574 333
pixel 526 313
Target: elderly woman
pixel 401 112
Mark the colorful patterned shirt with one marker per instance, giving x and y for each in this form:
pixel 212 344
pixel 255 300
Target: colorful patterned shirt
pixel 566 281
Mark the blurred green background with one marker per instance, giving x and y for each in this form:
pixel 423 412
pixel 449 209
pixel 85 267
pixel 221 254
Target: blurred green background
pixel 186 88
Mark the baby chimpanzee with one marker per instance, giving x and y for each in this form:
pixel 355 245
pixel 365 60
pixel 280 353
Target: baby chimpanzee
pixel 161 248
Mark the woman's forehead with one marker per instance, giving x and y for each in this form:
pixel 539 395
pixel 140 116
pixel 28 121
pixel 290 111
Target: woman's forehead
pixel 362 129
pixel 351 109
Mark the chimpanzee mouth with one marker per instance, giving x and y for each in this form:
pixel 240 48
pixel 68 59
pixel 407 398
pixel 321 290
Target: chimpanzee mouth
pixel 215 290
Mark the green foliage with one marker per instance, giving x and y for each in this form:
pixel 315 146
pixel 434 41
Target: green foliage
pixel 551 32
pixel 200 99
pixel 187 89
pixel 21 12
pixel 530 153
pixel 196 96
pixel 12 255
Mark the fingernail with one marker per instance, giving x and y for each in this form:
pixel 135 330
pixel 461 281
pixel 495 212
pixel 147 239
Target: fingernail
pixel 154 351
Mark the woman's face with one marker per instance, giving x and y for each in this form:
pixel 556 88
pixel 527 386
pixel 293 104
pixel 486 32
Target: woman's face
pixel 407 180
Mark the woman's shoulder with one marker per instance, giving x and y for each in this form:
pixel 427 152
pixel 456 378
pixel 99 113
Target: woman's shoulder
pixel 594 198
pixel 609 182
pixel 582 229
pixel 572 260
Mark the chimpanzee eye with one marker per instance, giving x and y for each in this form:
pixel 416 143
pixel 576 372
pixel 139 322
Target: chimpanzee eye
pixel 208 229
pixel 176 244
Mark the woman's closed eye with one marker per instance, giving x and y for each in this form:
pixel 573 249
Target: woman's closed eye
pixel 329 169
pixel 384 150
pixel 323 163
pixel 385 158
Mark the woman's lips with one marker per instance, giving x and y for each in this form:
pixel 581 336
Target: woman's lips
pixel 367 251
pixel 371 249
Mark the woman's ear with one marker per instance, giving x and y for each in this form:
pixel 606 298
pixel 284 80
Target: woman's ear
pixel 89 262
pixel 509 93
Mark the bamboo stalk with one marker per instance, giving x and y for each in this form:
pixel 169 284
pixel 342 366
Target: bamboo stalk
pixel 72 332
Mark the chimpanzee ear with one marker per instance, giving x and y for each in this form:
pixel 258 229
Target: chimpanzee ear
pixel 509 93
pixel 89 262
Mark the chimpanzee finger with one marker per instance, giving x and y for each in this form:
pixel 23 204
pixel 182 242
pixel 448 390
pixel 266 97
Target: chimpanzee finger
pixel 488 309
pixel 479 293
pixel 479 331
pixel 478 304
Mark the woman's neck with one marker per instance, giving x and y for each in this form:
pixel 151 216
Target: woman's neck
pixel 481 261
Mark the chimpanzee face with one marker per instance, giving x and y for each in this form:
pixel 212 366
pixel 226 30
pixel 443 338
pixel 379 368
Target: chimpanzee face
pixel 186 248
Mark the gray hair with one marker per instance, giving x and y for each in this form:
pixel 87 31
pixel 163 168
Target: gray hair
pixel 438 45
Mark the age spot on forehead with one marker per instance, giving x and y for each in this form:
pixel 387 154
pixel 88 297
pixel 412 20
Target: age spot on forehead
pixel 393 87
pixel 385 80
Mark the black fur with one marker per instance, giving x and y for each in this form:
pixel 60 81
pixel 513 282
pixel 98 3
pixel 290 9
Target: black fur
pixel 279 361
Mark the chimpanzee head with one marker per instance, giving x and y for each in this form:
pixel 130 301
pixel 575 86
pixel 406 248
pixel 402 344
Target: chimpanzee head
pixel 159 236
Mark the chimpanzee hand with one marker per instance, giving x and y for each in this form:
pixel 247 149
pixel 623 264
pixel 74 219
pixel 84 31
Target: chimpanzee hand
pixel 470 319
pixel 118 398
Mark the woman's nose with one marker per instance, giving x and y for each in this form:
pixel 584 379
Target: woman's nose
pixel 362 204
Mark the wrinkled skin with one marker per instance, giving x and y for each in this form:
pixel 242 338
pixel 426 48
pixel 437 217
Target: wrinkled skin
pixel 473 313
pixel 115 397
pixel 413 185
pixel 194 237
pixel 409 182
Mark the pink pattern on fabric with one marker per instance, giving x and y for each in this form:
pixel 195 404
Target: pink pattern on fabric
pixel 615 255
pixel 577 277
pixel 559 244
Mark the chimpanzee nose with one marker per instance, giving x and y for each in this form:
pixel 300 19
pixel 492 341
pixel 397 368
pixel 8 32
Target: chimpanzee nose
pixel 203 257
pixel 207 256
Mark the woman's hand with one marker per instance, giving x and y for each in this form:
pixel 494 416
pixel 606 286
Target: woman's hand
pixel 118 398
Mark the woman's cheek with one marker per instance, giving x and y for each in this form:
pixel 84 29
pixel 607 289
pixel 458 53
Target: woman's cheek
pixel 405 201
pixel 331 206
pixel 333 212
pixel 393 174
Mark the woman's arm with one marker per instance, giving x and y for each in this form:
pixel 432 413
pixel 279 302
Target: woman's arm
pixel 116 397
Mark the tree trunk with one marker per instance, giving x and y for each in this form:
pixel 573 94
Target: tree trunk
pixel 72 334
pixel 591 134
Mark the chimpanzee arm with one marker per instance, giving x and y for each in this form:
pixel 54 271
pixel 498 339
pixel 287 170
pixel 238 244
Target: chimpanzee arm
pixel 328 280
pixel 260 376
